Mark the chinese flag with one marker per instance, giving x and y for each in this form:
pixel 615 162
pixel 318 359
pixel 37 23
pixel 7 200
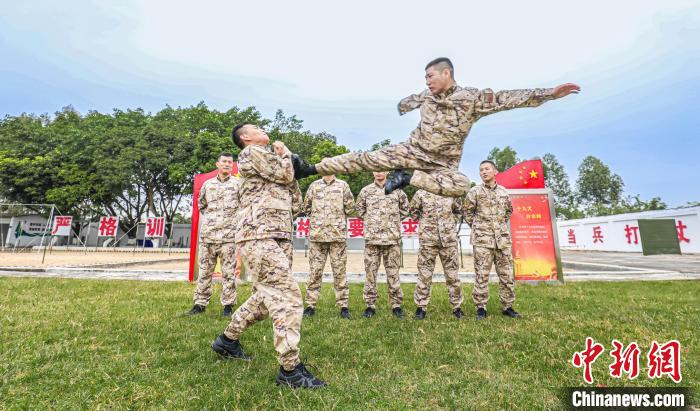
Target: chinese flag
pixel 527 174
pixel 199 179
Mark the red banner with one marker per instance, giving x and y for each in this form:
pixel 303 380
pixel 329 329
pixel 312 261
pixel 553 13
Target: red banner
pixel 199 179
pixel 534 254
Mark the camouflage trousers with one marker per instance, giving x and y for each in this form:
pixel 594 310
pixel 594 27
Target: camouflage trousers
pixel 374 254
pixel 484 258
pixel 275 293
pixel 449 256
pixel 318 253
pixel 208 253
pixel 432 172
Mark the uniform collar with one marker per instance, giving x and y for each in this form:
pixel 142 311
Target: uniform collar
pixel 331 182
pixel 225 179
pixel 448 92
pixel 492 187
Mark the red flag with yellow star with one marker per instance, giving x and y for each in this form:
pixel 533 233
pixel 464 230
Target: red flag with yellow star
pixel 527 174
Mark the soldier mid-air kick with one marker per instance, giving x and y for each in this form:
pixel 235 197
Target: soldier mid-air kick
pixel 434 148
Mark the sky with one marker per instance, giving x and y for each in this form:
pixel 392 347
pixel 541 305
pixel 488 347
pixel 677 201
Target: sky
pixel 342 68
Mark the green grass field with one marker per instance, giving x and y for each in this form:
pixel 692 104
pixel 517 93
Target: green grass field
pixel 124 344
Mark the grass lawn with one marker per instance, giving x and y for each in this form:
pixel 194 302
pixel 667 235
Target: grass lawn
pixel 125 344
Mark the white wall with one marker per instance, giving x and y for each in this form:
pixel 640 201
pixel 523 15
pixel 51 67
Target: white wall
pixel 614 234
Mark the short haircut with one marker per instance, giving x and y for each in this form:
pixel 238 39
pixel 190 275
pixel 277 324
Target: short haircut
pixel 236 135
pixel 442 63
pixel 225 154
pixel 489 162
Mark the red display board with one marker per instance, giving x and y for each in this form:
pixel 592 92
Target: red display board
pixel 535 245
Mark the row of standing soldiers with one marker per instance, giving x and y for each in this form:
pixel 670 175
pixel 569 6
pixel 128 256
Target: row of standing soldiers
pixel 328 203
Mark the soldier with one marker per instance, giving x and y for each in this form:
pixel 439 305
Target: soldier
pixel 437 236
pixel 263 239
pixel 382 215
pixel 328 202
pixel 434 148
pixel 487 210
pixel 218 202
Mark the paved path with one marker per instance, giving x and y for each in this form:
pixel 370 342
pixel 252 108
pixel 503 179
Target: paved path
pixel 578 266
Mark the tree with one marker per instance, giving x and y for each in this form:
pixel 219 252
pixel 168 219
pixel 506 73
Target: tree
pixel 598 188
pixel 503 158
pixel 555 178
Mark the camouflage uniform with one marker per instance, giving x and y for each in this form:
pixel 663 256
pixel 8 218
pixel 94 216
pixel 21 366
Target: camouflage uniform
pixel 487 210
pixel 264 227
pixel 218 202
pixel 437 235
pixel 382 215
pixel 328 204
pixel 434 148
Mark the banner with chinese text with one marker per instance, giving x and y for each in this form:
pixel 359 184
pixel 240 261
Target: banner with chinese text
pixel 62 225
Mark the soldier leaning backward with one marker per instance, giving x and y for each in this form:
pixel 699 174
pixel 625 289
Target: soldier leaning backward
pixel 434 148
pixel 263 228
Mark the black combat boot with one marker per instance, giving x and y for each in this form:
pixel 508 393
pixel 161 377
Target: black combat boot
pixel 458 313
pixel 481 313
pixel 420 313
pixel 299 377
pixel 228 310
pixel 301 168
pixel 229 348
pixel 345 313
pixel 398 312
pixel 510 312
pixel 369 312
pixel 399 179
pixel 197 309
pixel 309 311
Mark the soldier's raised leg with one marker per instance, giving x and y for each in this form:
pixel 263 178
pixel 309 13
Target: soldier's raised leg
pixel 483 260
pixel 318 254
pixel 444 182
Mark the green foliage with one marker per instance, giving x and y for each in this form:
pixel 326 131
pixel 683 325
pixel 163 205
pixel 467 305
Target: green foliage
pixel 503 158
pixel 555 177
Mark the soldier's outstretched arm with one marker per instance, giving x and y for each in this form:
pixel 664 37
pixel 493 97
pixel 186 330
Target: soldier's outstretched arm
pixel 487 102
pixel 411 102
pixel 272 167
